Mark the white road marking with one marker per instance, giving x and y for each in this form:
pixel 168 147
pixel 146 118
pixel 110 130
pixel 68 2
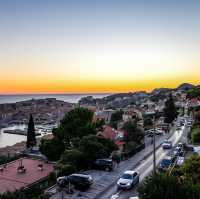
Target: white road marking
pixel 115 196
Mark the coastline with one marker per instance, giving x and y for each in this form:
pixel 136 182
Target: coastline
pixel 12 150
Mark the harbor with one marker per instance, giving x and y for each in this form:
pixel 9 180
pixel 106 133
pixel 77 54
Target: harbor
pixel 14 134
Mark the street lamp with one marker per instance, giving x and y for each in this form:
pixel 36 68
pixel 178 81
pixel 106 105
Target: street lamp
pixel 154 145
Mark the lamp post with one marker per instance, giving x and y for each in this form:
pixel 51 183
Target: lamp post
pixel 154 146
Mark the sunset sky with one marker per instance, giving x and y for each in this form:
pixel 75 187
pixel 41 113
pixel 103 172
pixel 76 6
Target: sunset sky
pixel 82 46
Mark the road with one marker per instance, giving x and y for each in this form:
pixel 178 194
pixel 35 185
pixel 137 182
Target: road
pixel 144 168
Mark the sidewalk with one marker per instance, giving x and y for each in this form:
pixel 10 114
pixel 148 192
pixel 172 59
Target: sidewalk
pixel 106 181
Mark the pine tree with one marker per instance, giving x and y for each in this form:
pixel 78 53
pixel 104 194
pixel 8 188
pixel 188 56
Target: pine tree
pixel 31 138
pixel 170 111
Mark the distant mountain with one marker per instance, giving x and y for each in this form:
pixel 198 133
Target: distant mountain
pixel 158 91
pixel 185 87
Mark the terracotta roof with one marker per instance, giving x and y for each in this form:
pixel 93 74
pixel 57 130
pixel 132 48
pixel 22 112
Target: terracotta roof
pixel 109 133
pixel 119 143
pixel 11 180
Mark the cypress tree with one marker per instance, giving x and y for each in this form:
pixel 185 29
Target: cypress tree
pixel 31 138
pixel 170 111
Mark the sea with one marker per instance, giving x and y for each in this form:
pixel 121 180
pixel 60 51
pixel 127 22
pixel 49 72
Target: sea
pixel 11 139
pixel 72 98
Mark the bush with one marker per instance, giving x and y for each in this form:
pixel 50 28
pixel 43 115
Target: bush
pixel 65 169
pixel 52 178
pixel 195 135
pixel 130 146
pixel 73 157
pixel 109 145
pixel 92 149
pixel 6 159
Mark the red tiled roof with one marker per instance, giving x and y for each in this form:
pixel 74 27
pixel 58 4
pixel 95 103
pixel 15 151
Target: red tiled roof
pixel 108 133
pixel 119 143
pixel 11 180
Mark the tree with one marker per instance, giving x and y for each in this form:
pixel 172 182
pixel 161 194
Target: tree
pixel 31 138
pixel 99 124
pixel 115 118
pixel 94 147
pixel 52 148
pixel 170 111
pixel 196 136
pixel 161 186
pixel 191 169
pixel 184 182
pixel 194 92
pixel 133 133
pixel 76 124
pixel 73 157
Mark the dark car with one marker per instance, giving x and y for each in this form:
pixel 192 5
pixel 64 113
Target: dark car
pixel 104 164
pixel 165 164
pixel 79 181
pixel 178 151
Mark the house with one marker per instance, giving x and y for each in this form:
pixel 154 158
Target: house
pixel 105 114
pixel 116 136
pixel 131 113
pixel 195 102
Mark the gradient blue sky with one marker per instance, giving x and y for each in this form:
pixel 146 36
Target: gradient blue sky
pixel 98 46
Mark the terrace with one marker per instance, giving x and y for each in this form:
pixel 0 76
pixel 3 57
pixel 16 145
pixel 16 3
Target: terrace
pixel 23 173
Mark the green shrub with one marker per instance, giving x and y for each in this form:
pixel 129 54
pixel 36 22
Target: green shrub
pixel 196 136
pixel 73 157
pixel 65 169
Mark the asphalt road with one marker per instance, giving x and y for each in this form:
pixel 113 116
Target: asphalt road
pixel 145 168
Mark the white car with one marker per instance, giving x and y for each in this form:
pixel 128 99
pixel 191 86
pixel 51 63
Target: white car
pixel 167 144
pixel 128 180
pixel 180 161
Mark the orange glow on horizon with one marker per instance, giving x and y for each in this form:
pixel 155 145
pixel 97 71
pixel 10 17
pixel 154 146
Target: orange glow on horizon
pixel 46 86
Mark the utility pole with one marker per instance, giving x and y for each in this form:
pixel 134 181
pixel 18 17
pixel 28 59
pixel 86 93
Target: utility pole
pixel 154 146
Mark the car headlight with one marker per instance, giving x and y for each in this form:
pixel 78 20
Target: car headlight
pixel 129 184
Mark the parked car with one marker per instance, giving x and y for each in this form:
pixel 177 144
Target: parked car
pixel 128 180
pixel 180 144
pixel 104 164
pixel 178 151
pixel 165 164
pixel 150 132
pixel 79 181
pixel 167 144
